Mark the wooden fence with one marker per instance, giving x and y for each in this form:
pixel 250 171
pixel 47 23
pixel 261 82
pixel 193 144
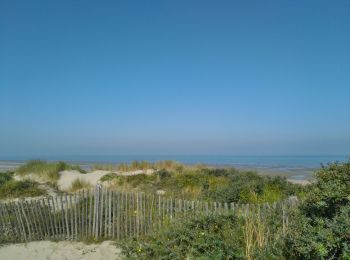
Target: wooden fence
pixel 107 214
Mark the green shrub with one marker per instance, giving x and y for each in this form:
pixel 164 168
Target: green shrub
pixel 5 177
pixel 17 189
pixel 221 185
pixel 330 192
pixel 249 187
pixel 225 236
pixel 321 228
pixel 163 174
pixel 210 237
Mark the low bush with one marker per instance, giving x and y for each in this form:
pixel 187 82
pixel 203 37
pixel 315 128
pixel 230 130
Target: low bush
pixel 221 185
pixel 321 227
pixel 211 237
pixel 17 189
pixel 5 177
pixel 225 236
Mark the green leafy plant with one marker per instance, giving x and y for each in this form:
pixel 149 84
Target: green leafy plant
pixel 17 189
pixel 321 228
pixel 210 237
pixel 221 185
pixel 5 177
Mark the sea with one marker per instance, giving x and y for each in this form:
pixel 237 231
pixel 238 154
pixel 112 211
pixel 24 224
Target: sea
pixel 294 167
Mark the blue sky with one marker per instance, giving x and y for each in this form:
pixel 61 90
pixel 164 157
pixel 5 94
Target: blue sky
pixel 174 77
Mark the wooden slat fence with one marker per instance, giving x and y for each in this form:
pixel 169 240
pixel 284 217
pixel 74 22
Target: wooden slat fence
pixel 107 214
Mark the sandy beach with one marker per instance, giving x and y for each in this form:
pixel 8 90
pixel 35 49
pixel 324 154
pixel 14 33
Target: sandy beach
pixel 65 250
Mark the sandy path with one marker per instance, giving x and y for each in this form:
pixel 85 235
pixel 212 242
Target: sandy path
pixel 47 250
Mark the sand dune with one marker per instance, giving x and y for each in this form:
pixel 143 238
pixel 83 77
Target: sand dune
pixel 68 177
pixel 93 178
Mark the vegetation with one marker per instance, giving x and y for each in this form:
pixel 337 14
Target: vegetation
pixel 5 177
pixel 140 165
pixel 319 228
pixel 221 185
pixel 215 237
pixel 79 184
pixel 211 237
pixel 10 188
pixel 46 171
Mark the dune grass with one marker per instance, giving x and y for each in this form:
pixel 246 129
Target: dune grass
pixel 222 185
pixel 140 165
pixel 46 171
pixel 5 177
pixel 105 167
pixel 79 184
pixel 10 188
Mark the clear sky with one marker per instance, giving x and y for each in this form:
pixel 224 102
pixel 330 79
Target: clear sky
pixel 174 77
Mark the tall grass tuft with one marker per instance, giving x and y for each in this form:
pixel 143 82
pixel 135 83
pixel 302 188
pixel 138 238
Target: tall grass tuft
pixel 79 184
pixel 46 171
pixel 105 167
pixel 141 165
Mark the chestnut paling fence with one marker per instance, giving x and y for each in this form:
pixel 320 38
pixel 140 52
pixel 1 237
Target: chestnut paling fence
pixel 108 214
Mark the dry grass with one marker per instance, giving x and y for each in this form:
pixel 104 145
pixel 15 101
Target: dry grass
pixel 79 184
pixel 141 165
pixel 46 171
pixel 105 167
pixel 256 233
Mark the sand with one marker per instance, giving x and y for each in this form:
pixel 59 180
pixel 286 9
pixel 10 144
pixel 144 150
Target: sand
pixel 68 177
pixel 301 182
pixel 65 250
pixel 93 178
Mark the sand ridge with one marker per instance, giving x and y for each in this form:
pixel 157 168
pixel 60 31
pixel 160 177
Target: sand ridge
pixel 93 178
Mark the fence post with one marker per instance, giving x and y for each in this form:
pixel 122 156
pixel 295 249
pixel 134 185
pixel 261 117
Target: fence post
pixel 110 214
pixel 18 213
pixel 106 212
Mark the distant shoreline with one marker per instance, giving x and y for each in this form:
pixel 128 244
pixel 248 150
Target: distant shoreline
pixel 273 166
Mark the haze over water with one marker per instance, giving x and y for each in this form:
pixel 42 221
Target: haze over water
pixel 298 167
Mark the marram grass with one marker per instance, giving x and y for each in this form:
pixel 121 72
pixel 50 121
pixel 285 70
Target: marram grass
pixel 46 171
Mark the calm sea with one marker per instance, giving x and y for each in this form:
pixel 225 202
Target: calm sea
pixel 298 167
